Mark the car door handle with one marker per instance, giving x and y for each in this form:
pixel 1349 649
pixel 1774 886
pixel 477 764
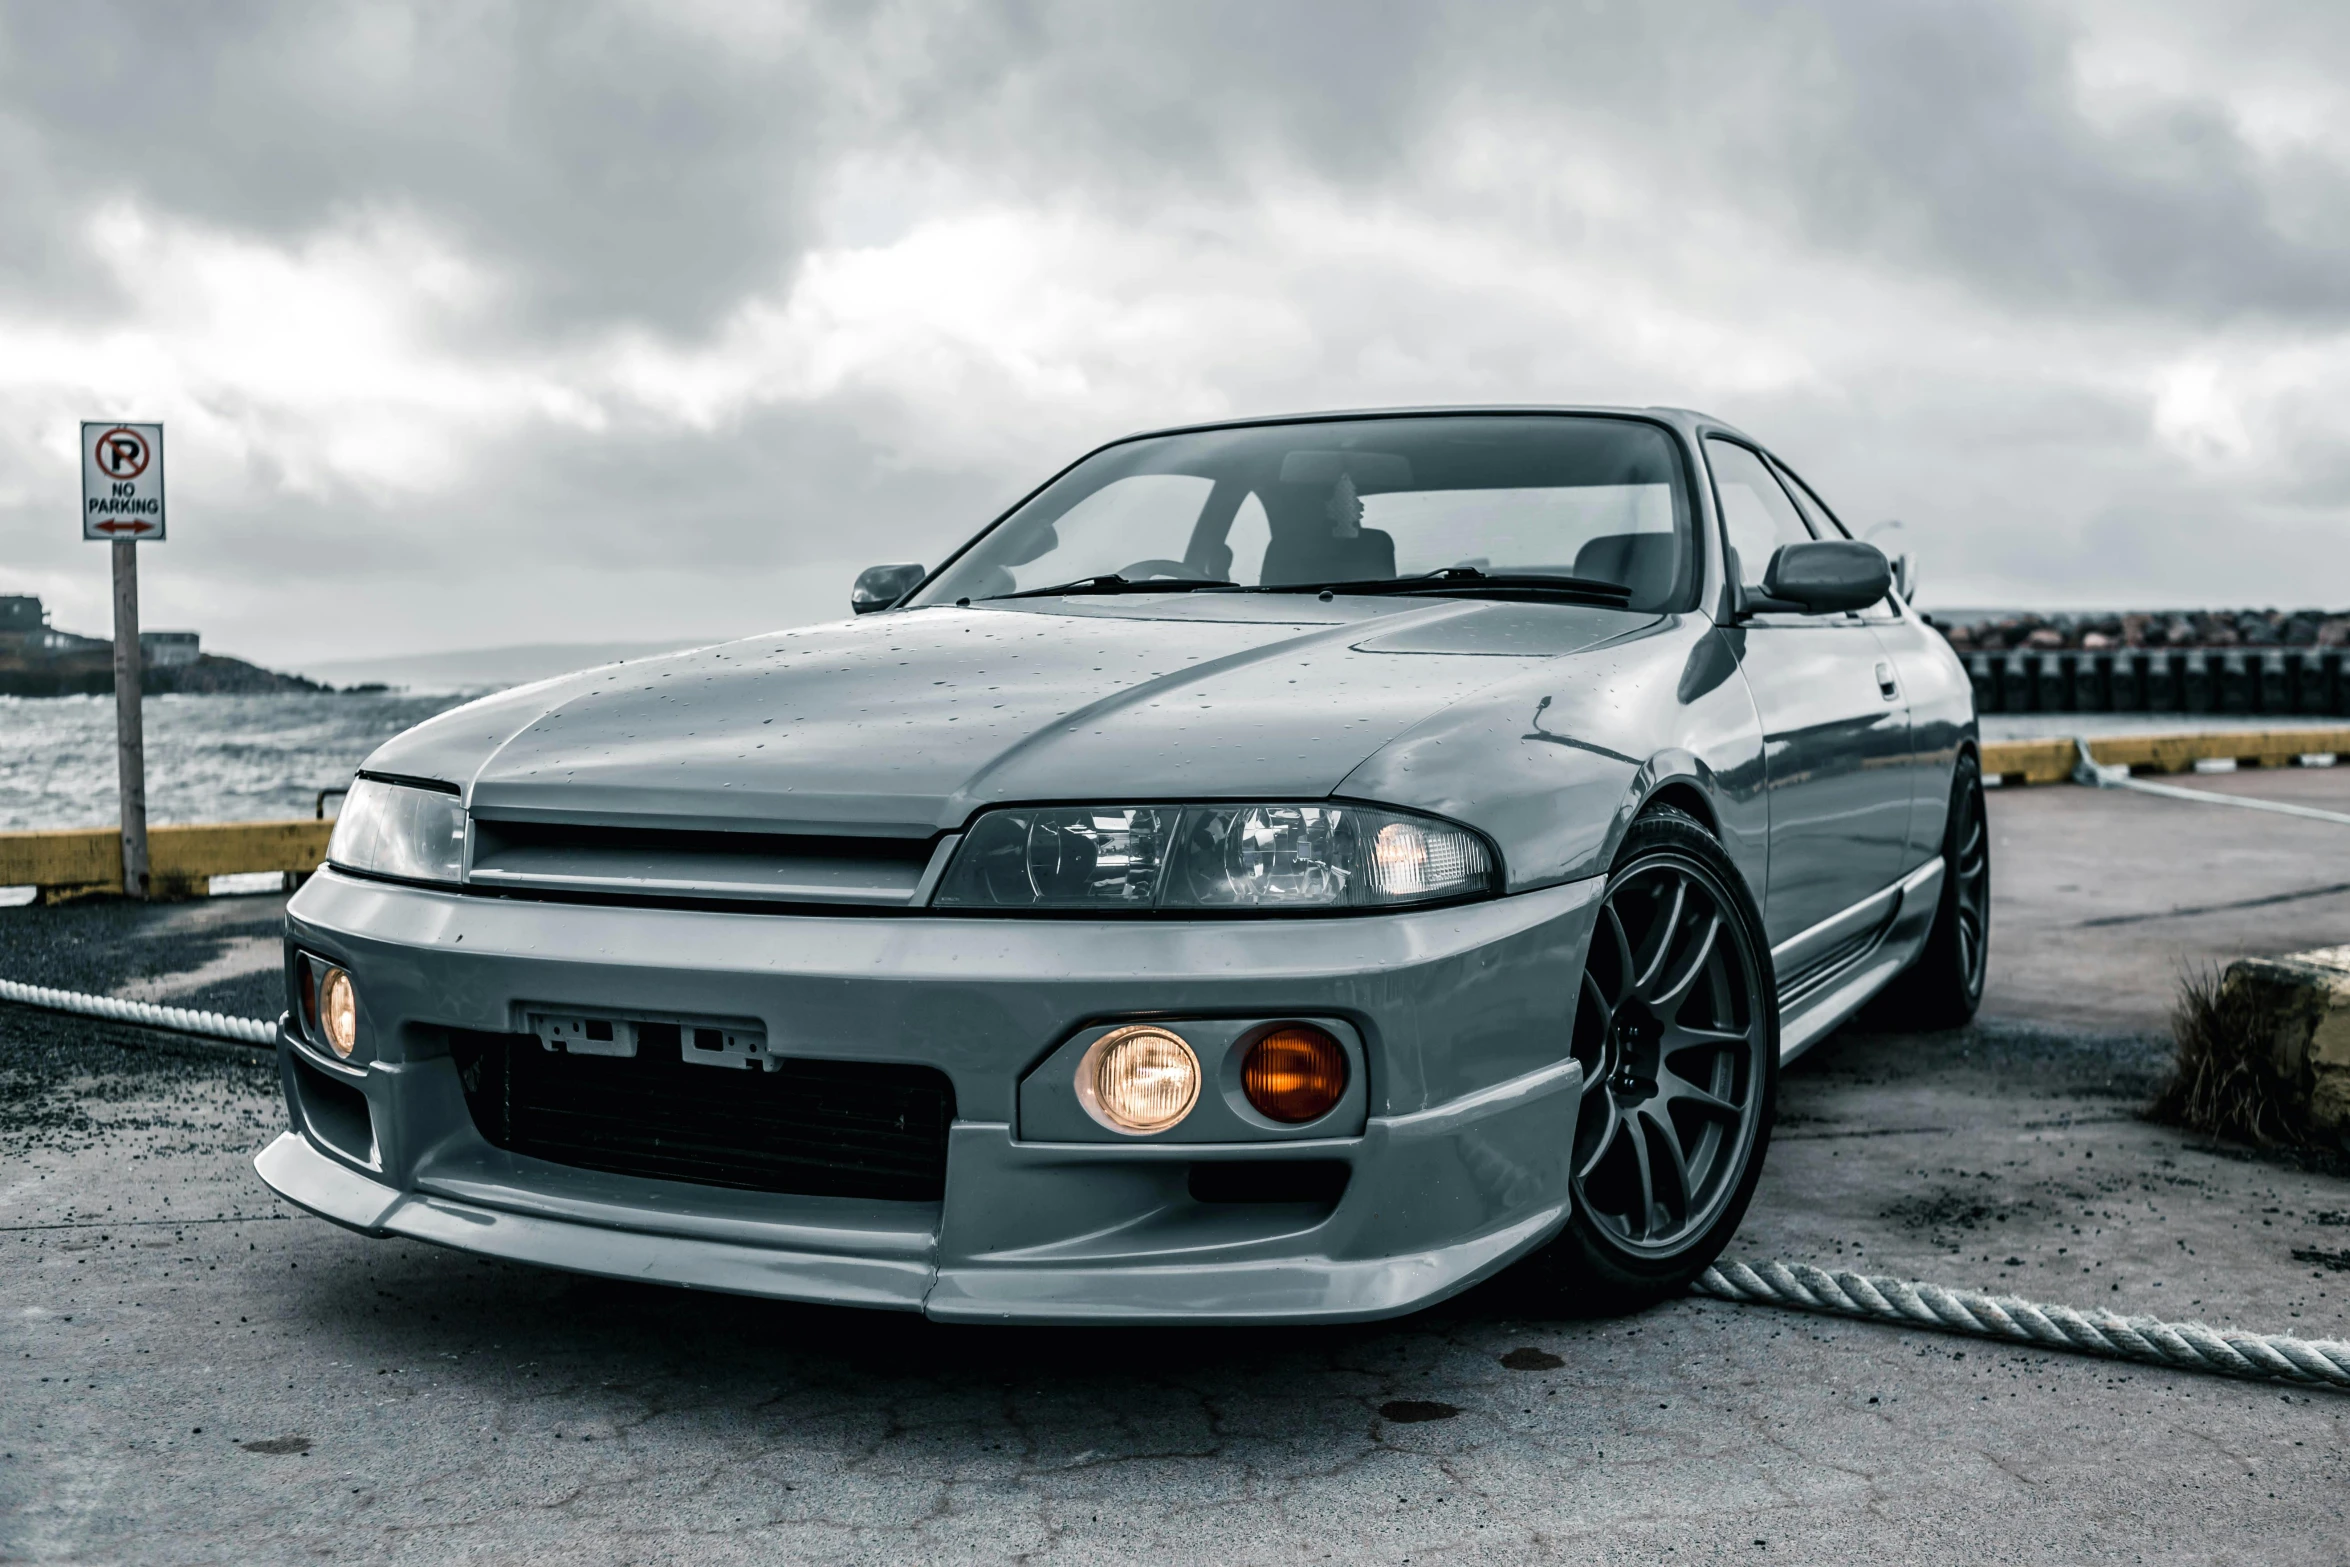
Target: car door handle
pixel 1887 686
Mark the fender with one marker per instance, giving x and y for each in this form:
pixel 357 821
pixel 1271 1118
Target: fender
pixel 1555 763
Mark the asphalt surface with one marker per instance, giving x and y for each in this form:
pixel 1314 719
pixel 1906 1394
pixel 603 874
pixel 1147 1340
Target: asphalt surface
pixel 2107 897
pixel 190 1372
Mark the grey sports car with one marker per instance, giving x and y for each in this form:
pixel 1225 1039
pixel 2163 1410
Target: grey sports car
pixel 1280 870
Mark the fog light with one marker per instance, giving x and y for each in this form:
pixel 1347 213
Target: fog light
pixel 338 1012
pixel 1139 1079
pixel 1294 1073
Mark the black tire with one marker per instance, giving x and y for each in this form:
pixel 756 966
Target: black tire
pixel 1676 928
pixel 1943 984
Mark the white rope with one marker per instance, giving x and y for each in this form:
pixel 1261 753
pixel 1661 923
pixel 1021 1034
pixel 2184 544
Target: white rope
pixel 2185 1346
pixel 179 1020
pixel 2100 775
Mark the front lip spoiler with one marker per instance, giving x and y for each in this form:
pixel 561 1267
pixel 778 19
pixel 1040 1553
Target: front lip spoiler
pixel 310 1180
pixel 1278 1289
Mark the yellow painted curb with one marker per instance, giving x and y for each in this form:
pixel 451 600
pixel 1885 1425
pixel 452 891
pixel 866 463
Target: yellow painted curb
pixel 77 861
pixel 2052 761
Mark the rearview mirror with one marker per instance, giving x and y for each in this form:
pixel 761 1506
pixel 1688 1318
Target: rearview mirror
pixel 878 587
pixel 1823 576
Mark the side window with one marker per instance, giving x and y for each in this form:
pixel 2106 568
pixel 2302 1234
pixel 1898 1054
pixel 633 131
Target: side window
pixel 1814 510
pixel 1757 516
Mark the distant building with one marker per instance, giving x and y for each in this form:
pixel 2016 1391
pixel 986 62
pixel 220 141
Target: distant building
pixel 20 614
pixel 25 632
pixel 53 643
pixel 24 629
pixel 167 649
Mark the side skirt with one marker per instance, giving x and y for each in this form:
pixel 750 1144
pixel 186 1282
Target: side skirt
pixel 1847 960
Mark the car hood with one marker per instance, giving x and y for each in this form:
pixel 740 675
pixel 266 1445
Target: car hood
pixel 904 723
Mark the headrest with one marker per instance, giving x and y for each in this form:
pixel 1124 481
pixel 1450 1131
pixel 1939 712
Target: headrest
pixel 1367 557
pixel 1647 563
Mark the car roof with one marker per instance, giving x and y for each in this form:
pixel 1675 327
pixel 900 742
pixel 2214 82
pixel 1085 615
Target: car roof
pixel 1688 420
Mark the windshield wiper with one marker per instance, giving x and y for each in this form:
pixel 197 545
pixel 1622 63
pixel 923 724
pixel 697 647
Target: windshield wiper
pixel 1111 582
pixel 1469 580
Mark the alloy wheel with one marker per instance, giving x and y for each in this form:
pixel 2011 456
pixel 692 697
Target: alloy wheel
pixel 1972 904
pixel 1671 1027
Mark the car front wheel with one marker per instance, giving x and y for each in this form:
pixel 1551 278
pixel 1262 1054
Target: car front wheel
pixel 1676 1026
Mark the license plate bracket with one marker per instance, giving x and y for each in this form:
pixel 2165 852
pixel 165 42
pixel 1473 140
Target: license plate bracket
pixel 582 1034
pixel 696 1041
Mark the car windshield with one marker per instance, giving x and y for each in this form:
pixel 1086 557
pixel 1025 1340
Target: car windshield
pixel 1300 506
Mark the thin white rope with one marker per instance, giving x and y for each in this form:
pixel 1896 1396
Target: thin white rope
pixel 2100 775
pixel 2185 1346
pixel 179 1020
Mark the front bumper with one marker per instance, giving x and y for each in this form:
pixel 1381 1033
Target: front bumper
pixel 1459 1167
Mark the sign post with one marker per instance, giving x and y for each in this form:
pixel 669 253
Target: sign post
pixel 122 502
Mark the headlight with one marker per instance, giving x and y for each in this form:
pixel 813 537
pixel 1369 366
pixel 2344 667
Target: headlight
pixel 392 829
pixel 1145 858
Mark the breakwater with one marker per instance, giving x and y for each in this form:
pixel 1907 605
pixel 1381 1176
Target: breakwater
pixel 2160 680
pixel 2241 662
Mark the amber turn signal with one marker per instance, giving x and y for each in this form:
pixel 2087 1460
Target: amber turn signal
pixel 1294 1073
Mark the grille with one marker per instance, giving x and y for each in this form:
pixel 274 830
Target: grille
pixel 813 1128
pixel 558 858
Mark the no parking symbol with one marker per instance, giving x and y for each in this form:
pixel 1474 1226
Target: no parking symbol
pixel 122 481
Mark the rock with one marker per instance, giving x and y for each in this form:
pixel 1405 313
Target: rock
pixel 92 674
pixel 2310 993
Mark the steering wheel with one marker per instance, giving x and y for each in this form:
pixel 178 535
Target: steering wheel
pixel 1144 570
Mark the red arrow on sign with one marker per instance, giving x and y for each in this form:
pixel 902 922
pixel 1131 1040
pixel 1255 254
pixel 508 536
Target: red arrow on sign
pixel 124 527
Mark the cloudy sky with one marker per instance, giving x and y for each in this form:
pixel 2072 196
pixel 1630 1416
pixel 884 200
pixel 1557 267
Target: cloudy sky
pixel 487 324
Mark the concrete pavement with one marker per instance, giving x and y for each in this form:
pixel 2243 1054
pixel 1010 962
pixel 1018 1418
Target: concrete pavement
pixel 191 1373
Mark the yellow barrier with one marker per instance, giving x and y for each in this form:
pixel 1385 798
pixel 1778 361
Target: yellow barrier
pixel 76 862
pixel 2052 761
pixel 2028 761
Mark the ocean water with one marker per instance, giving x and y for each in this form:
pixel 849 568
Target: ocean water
pixel 209 758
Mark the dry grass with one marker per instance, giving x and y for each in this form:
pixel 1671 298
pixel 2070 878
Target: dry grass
pixel 2224 1079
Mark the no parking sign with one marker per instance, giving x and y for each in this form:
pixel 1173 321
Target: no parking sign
pixel 122 481
pixel 122 503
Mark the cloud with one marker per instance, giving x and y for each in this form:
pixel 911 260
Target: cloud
pixel 502 323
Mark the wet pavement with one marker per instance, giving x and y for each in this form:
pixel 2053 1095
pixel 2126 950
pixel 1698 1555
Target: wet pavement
pixel 191 1372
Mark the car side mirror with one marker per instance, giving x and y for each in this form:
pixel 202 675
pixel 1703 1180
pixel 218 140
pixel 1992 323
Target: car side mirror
pixel 878 587
pixel 1822 577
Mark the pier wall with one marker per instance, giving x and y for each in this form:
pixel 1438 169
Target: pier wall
pixel 2233 681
